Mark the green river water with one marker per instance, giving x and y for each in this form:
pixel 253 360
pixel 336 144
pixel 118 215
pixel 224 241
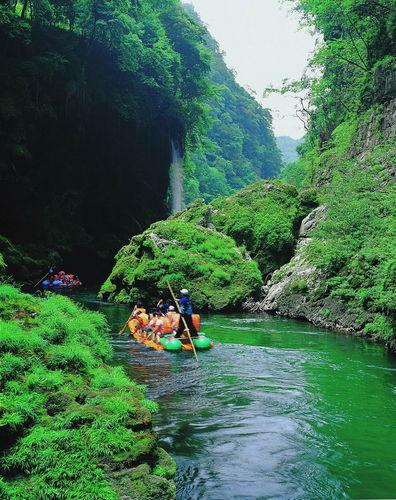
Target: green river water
pixel 278 409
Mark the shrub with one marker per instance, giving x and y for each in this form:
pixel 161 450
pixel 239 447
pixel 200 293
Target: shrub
pixel 71 357
pixel 380 328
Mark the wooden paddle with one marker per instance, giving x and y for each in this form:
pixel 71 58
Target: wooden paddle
pixel 127 321
pixel 184 321
pixel 41 279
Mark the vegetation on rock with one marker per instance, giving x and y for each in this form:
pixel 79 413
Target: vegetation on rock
pixel 71 426
pixel 209 248
pixel 219 274
pixel 264 217
pixel 349 156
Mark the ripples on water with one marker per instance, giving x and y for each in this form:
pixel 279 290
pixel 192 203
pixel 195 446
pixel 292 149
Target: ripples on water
pixel 278 409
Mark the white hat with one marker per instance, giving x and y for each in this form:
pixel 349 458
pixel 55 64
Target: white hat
pixel 184 291
pixel 171 308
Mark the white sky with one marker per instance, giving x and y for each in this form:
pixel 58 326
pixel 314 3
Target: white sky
pixel 263 44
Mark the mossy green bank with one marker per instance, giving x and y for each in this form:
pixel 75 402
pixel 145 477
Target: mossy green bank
pixel 72 426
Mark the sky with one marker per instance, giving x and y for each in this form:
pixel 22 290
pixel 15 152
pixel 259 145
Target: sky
pixel 264 44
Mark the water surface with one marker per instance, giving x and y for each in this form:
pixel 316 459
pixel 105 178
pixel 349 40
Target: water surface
pixel 278 409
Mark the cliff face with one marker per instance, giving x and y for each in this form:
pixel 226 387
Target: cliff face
pixel 87 116
pixel 343 273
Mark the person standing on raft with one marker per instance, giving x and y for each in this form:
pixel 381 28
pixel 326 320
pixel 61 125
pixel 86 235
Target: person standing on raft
pixel 186 313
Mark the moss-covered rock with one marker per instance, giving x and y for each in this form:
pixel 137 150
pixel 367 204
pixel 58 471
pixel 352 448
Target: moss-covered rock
pixel 207 247
pixel 218 272
pixel 343 275
pixel 264 217
pixel 69 422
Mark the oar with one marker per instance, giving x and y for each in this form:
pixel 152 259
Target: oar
pixel 41 279
pixel 184 321
pixel 127 321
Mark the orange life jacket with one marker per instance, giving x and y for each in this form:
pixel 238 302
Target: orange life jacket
pixel 134 325
pixel 174 319
pixel 196 319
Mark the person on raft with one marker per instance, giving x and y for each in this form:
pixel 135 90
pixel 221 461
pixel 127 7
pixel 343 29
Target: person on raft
pixel 173 318
pixel 141 317
pixel 186 311
pixel 164 306
pixel 156 327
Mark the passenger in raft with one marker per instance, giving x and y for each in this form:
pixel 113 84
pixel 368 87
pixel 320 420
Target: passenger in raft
pixel 173 318
pixel 142 317
pixel 164 306
pixel 156 327
pixel 186 313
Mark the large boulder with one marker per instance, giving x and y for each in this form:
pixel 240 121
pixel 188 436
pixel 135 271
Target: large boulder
pixel 219 274
pixel 264 217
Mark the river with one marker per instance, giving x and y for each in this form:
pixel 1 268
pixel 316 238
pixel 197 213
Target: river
pixel 278 409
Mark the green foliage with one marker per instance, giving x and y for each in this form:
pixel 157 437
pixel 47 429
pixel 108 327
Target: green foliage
pixel 205 261
pixel 355 245
pixel 299 286
pixel 2 264
pixel 84 85
pixel 16 340
pixel 66 418
pixel 380 328
pixel 239 147
pixel 348 155
pixel 165 465
pixel 263 217
pixel 296 173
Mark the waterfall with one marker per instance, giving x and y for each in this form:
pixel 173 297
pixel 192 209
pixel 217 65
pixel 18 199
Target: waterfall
pixel 176 179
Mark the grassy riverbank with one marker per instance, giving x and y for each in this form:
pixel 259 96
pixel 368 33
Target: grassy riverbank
pixel 71 425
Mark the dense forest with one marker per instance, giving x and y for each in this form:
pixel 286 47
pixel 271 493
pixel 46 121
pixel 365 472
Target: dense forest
pixel 92 93
pixel 97 92
pixel 348 156
pixel 239 146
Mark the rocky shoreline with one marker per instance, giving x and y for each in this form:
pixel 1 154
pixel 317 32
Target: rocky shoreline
pixel 296 291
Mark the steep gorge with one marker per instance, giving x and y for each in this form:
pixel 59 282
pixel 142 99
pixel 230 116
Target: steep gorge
pixel 87 115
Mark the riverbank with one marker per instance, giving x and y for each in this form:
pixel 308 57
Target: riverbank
pixel 72 426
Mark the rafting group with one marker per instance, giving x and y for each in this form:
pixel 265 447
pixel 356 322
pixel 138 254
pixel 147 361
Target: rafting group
pixel 60 279
pixel 168 328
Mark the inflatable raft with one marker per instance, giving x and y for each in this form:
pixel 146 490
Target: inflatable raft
pixel 168 343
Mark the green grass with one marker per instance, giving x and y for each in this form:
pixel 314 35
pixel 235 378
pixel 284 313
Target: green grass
pixel 69 420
